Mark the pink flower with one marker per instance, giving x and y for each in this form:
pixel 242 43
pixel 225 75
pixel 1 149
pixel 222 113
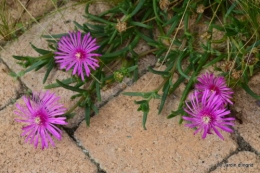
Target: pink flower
pixel 218 84
pixel 41 113
pixel 207 113
pixel 76 52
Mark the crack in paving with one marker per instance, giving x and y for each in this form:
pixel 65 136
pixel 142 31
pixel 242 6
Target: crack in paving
pixel 23 86
pixel 71 131
pixel 12 101
pixel 19 93
pixel 86 152
pixel 242 146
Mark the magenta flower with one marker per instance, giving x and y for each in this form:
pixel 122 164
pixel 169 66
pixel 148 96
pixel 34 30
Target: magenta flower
pixel 207 113
pixel 76 52
pixel 41 113
pixel 217 84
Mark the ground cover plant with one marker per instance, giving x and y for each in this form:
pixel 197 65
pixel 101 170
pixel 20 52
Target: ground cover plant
pixel 185 36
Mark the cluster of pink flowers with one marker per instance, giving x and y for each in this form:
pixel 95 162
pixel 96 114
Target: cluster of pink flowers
pixel 42 112
pixel 207 106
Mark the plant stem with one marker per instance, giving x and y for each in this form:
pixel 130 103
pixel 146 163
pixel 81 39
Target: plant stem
pixel 48 55
pixel 166 79
pixel 236 44
pixel 147 52
pixel 75 106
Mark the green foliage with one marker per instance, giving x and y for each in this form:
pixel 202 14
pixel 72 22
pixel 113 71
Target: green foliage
pixel 144 104
pixel 228 41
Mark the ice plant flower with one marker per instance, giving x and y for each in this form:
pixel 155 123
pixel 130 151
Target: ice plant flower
pixel 207 114
pixel 218 84
pixel 42 112
pixel 75 51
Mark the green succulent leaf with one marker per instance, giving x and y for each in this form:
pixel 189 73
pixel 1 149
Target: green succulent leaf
pixel 162 73
pixel 87 115
pixel 249 91
pixel 176 113
pixel 144 107
pixel 50 66
pixel 70 87
pixel 166 89
pixel 65 81
pixel 40 51
pixel 56 36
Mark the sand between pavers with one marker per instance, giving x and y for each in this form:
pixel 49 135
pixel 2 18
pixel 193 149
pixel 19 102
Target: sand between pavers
pixel 116 140
pixel 16 156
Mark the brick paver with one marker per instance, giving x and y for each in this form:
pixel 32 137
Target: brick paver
pixel 35 8
pixel 117 141
pixel 16 156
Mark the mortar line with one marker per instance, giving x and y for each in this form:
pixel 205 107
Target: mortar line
pixel 18 93
pixel 23 85
pixel 12 101
pixel 86 152
pixel 242 146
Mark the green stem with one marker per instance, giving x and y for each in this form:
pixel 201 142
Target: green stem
pixel 173 68
pixel 180 80
pixel 147 52
pixel 236 44
pixel 166 79
pixel 48 55
pixel 75 106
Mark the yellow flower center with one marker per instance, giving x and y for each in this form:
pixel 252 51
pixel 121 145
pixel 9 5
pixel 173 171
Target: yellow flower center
pixel 78 55
pixel 37 120
pixel 206 119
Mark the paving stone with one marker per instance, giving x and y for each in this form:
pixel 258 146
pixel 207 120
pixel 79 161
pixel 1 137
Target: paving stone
pixel 98 8
pixel 56 24
pixel 248 112
pixel 35 8
pixel 19 157
pixel 241 162
pixel 9 87
pixel 117 141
